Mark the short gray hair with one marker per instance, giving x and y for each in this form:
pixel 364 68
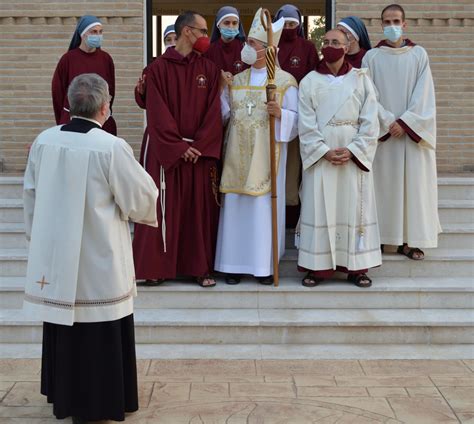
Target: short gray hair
pixel 86 95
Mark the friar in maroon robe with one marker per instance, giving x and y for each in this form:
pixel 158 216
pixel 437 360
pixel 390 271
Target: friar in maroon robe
pixel 84 56
pixel 181 154
pixel 227 41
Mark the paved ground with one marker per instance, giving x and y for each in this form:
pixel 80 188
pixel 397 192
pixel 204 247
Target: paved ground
pixel 271 392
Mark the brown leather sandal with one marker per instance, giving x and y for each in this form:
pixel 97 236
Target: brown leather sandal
pixel 201 280
pixel 310 280
pixel 360 280
pixel 411 252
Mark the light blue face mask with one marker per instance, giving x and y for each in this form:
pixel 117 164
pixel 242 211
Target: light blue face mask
pixel 94 41
pixel 229 33
pixel 393 32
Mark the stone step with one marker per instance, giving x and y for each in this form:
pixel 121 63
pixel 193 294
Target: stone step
pixel 277 326
pixel 456 212
pixel 11 210
pixel 460 188
pixel 12 236
pixel 274 351
pixel 437 263
pixel 11 187
pixel 388 293
pixel 454 236
pixel 456 188
pixel 450 211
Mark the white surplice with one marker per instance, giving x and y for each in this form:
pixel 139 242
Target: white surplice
pixel 244 241
pixel 338 223
pixel 405 175
pixel 80 191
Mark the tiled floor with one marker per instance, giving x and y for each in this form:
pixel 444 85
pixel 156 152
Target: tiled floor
pixel 271 392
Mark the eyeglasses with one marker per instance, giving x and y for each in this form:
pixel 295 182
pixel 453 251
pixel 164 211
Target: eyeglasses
pixel 334 43
pixel 203 31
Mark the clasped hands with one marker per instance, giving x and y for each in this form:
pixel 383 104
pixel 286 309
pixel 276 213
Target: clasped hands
pixel 191 155
pixel 339 156
pixel 396 130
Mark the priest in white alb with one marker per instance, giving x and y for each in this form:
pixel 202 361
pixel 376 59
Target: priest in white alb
pixel 405 176
pixel 338 130
pixel 244 241
pixel 82 187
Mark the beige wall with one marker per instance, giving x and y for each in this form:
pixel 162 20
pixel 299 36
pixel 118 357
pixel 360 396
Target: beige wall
pixel 446 29
pixel 34 35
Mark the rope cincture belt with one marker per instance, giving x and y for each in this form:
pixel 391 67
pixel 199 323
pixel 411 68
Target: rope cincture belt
pixel 163 198
pixel 336 123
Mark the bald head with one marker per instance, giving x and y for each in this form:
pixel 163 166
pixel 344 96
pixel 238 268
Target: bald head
pixel 336 34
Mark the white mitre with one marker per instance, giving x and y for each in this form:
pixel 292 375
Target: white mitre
pixel 258 32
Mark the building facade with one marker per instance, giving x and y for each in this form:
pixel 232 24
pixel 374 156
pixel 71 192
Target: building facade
pixel 34 35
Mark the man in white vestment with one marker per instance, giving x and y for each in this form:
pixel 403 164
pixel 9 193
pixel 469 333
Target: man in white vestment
pixel 244 241
pixel 405 177
pixel 82 187
pixel 338 130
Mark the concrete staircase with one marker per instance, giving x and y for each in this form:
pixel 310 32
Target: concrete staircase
pixel 414 309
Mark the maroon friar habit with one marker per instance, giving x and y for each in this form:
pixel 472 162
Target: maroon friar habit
pixel 296 55
pixel 76 62
pixel 226 56
pixel 356 59
pixel 182 104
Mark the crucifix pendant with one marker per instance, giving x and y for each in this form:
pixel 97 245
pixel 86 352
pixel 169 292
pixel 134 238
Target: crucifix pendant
pixel 250 105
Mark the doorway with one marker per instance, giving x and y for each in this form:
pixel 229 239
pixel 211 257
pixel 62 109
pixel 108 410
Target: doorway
pixel 161 13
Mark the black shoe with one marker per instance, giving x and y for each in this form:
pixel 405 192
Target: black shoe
pixel 232 279
pixel 266 281
pixel 78 420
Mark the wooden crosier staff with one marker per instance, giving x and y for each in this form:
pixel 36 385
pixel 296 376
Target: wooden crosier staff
pixel 270 60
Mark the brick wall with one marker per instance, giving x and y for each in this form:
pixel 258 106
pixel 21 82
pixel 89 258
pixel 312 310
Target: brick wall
pixel 446 29
pixel 33 36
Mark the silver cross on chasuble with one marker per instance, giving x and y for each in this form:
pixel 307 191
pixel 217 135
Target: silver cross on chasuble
pixel 250 105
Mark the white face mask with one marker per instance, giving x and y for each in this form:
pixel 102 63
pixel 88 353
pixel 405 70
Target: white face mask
pixel 249 55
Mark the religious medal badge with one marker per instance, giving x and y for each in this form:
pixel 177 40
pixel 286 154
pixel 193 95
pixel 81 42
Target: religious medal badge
pixel 238 66
pixel 295 62
pixel 201 81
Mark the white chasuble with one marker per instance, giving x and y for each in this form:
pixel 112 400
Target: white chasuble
pixel 405 175
pixel 338 222
pixel 244 241
pixel 80 191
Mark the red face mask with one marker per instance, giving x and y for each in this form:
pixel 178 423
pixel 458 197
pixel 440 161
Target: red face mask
pixel 289 34
pixel 332 54
pixel 202 45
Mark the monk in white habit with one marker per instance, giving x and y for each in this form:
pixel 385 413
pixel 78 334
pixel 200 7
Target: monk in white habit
pixel 82 187
pixel 244 241
pixel 405 177
pixel 338 130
